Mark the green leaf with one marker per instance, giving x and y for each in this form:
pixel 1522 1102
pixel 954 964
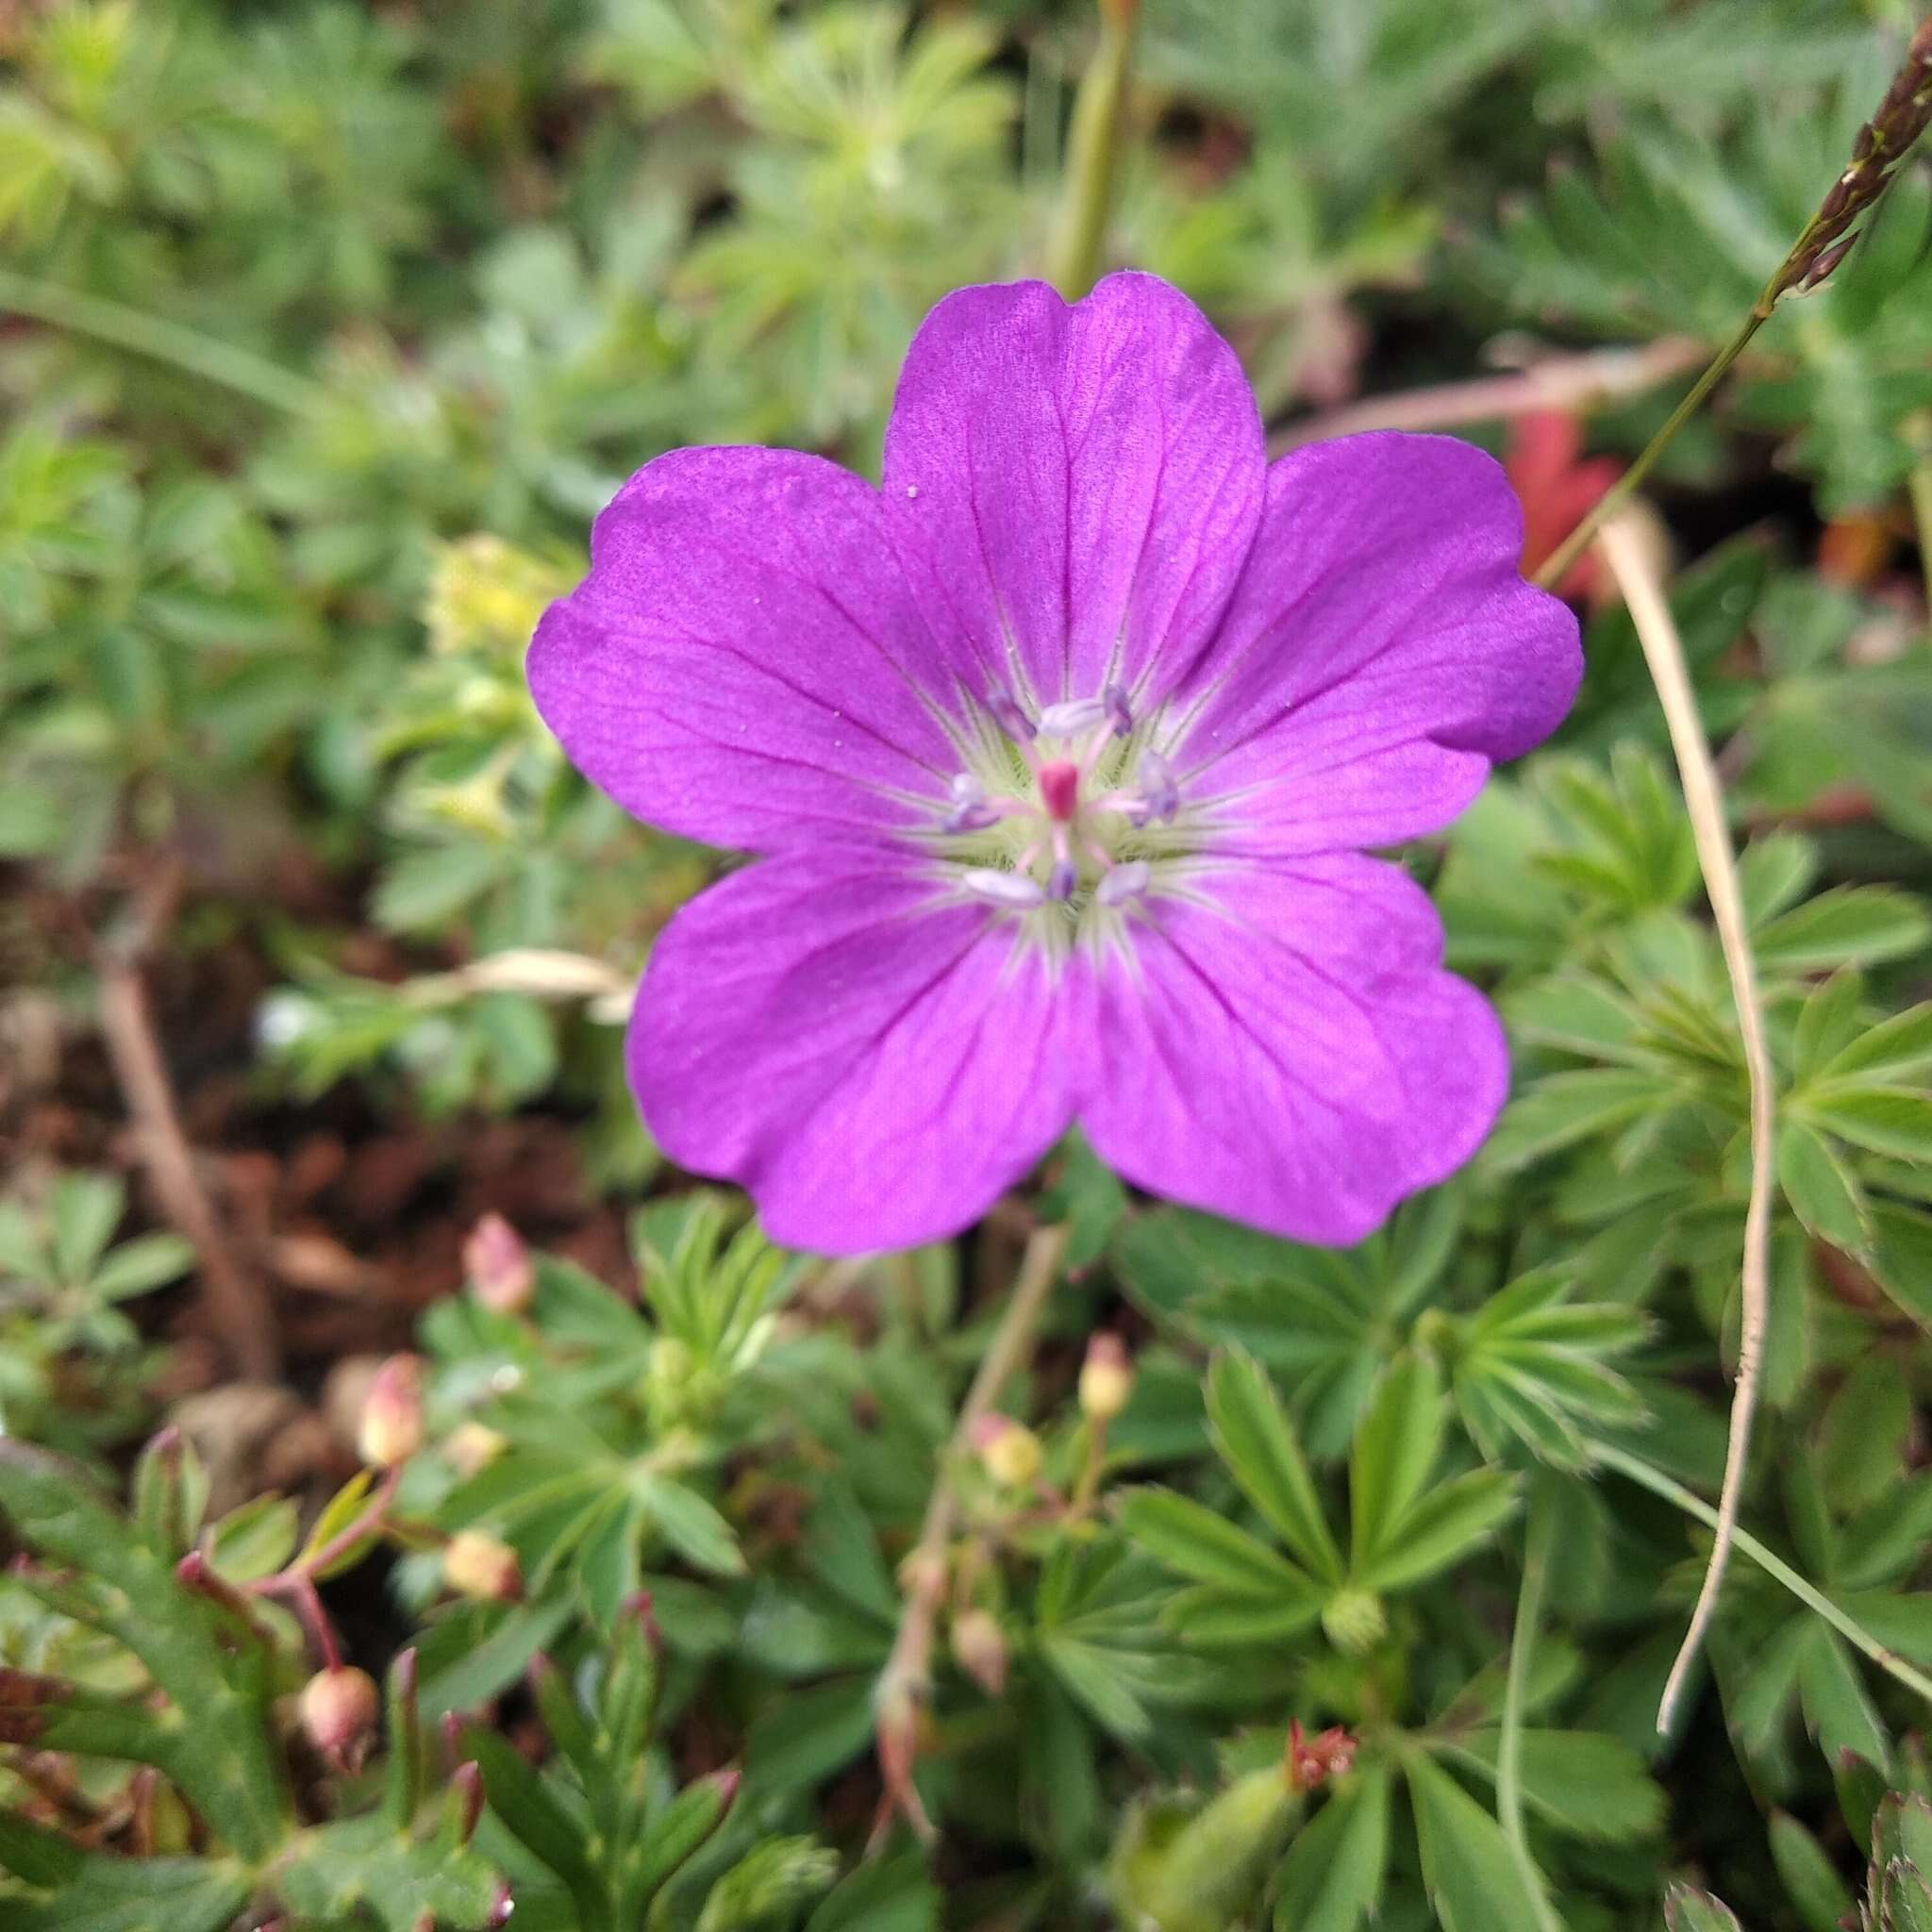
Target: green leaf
pixel 1686 1910
pixel 692 1526
pixel 1901 1259
pixel 1256 1441
pixel 805 1735
pixel 1564 1108
pixel 136 1267
pixel 1331 1880
pixel 521 1797
pixel 1862 1437
pixel 1396 1447
pixel 1894 1048
pixel 229 1774
pixel 1472 1876
pixel 1886 1120
pixel 109 1894
pixel 1823 1189
pixel 1207 1547
pixel 1809 1877
pixel 85 1209
pixel 884 1896
pixel 1850 925
pixel 255 1541
pixel 1447 1524
pixel 1586 1783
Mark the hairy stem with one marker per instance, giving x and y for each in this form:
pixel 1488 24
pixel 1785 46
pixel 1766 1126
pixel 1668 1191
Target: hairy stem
pixel 1093 150
pixel 904 1682
pixel 1623 550
pixel 1658 1484
pixel 159 341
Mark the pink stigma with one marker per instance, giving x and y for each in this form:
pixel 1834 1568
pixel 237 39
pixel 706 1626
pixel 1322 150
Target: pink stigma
pixel 1059 785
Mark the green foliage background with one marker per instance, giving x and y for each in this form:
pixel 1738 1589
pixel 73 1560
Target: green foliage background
pixel 325 329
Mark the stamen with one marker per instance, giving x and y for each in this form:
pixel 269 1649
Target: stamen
pixel 1061 882
pixel 1073 716
pixel 1011 718
pixel 1123 882
pixel 1059 785
pixel 1118 710
pixel 1003 888
pixel 971 810
pixel 1158 789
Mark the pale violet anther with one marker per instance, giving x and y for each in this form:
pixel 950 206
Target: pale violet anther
pixel 1072 716
pixel 1159 795
pixel 1003 888
pixel 1254 674
pixel 1123 882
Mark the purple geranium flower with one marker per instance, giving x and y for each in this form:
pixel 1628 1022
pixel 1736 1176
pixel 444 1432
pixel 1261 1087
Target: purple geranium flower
pixel 1057 753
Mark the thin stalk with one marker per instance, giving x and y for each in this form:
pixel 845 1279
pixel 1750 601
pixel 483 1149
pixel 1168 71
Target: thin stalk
pixel 1620 492
pixel 1882 143
pixel 1767 1559
pixel 186 349
pixel 907 1676
pixel 1093 151
pixel 1663 652
pixel 1529 1610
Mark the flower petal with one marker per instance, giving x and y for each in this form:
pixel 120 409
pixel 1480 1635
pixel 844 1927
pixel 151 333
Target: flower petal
pixel 1285 1050
pixel 1380 652
pixel 1075 489
pixel 744 663
pixel 873 1063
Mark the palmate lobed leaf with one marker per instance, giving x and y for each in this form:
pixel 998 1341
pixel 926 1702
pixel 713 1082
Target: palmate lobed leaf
pixel 1256 1441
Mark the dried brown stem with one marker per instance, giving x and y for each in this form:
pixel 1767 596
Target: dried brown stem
pixel 1560 382
pixel 1628 557
pixel 239 1308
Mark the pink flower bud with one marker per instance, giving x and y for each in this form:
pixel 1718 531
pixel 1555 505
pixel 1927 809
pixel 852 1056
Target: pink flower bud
pixel 1107 1378
pixel 498 1265
pixel 1007 1451
pixel 391 1430
pixel 979 1648
pixel 338 1709
pixel 476 1565
pixel 473 1446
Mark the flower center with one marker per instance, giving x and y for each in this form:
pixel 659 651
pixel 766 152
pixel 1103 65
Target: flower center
pixel 1061 810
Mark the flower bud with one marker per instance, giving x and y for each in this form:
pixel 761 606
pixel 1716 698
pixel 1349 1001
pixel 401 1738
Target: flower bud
pixel 473 1446
pixel 391 1430
pixel 499 1268
pixel 979 1648
pixel 339 1710
pixel 1355 1621
pixel 1007 1451
pixel 476 1565
pixel 1107 1378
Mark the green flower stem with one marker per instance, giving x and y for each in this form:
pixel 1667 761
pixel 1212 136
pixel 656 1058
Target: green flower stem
pixel 1529 1610
pixel 1558 563
pixel 1093 150
pixel 140 334
pixel 1658 1484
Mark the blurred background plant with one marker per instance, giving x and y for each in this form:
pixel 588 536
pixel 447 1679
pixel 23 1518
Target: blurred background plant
pixel 1279 1587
